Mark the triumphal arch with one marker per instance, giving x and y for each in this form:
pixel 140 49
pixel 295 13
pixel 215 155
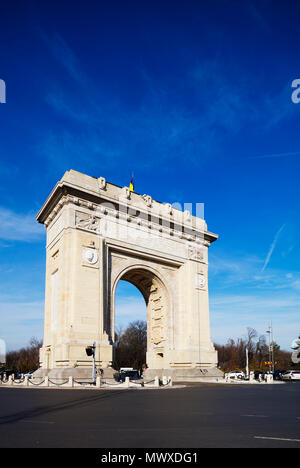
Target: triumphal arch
pixel 98 234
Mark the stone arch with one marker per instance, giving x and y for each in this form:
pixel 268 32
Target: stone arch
pixel 152 285
pixel 99 233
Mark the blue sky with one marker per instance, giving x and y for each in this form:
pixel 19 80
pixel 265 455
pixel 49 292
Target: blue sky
pixel 195 98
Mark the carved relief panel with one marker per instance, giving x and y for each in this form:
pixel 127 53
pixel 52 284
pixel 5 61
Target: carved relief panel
pixel 86 221
pixel 156 314
pixel 196 253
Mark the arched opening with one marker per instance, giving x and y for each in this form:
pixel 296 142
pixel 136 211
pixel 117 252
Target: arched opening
pixel 130 340
pixel 156 299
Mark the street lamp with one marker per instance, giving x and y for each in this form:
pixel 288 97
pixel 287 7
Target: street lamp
pixel 271 347
pixel 247 363
pixel 268 331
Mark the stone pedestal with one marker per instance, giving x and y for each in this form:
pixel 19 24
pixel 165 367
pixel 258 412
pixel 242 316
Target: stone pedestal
pixel 78 373
pixel 184 375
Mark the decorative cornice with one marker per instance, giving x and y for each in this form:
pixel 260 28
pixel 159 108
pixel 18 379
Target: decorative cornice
pixel 101 204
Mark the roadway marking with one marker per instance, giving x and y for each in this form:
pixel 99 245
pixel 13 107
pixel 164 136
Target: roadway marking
pixel 254 416
pixel 36 422
pixel 277 438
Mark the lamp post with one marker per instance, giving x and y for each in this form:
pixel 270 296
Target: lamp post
pixel 247 363
pixel 269 333
pixel 271 347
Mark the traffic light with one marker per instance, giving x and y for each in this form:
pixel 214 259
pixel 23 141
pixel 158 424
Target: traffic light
pixel 89 350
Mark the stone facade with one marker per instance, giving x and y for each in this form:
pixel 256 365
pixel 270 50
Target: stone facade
pixel 99 233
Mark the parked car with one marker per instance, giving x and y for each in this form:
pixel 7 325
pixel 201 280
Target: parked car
pixel 277 374
pixel 236 374
pixel 8 372
pixel 291 375
pixel 132 374
pixel 258 373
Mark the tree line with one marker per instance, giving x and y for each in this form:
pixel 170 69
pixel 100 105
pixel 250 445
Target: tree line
pixel 232 355
pixel 130 348
pixel 25 359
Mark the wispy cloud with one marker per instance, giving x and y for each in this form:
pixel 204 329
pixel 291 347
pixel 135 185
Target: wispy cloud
pixel 20 321
pixel 161 123
pixel 244 293
pixel 277 155
pixel 65 56
pixel 272 247
pixel 260 19
pixel 129 309
pixel 19 227
pixel 241 270
pixel 228 98
pixel 245 273
pixel 296 284
pixel 231 314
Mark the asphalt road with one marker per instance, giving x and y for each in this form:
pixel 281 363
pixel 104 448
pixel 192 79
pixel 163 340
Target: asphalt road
pixel 197 416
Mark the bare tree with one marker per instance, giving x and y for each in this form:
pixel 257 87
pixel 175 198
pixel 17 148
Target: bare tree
pixel 232 355
pixel 251 335
pixel 25 359
pixel 131 346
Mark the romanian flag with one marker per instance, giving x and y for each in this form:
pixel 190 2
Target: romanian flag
pixel 131 185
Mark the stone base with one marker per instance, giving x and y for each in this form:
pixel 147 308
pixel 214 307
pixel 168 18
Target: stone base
pixel 40 373
pixel 78 373
pixel 185 375
pixel 177 375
